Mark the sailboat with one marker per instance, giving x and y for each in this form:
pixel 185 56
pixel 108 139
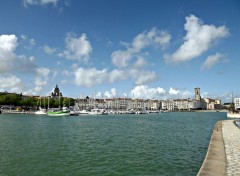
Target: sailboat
pixel 41 111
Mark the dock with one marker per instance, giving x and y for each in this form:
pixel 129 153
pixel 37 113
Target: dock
pixel 223 155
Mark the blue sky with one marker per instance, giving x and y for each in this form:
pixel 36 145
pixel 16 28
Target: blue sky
pixel 139 48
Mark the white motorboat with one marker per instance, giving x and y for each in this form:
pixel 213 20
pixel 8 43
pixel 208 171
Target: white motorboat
pixel 83 112
pixel 97 112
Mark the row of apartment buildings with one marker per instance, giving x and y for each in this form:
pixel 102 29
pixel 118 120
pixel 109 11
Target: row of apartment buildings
pixel 129 103
pixel 170 105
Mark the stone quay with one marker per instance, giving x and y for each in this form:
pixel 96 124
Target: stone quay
pixel 223 155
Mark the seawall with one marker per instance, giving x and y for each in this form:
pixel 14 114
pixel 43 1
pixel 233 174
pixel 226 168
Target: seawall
pixel 215 159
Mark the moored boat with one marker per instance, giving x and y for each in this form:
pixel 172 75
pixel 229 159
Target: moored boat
pixel 59 112
pixel 83 112
pixel 97 112
pixel 141 112
pixel 41 111
pixel 233 115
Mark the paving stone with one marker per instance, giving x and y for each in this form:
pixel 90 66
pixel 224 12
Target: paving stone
pixel 231 138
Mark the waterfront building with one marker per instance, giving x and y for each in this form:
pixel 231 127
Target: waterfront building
pixel 110 104
pixel 152 104
pixel 115 104
pixel 121 104
pixel 226 105
pixel 138 104
pixel 198 103
pixel 99 103
pixel 237 103
pixel 80 104
pixel 212 104
pixel 85 103
pixel 195 104
pixel 182 104
pixel 168 105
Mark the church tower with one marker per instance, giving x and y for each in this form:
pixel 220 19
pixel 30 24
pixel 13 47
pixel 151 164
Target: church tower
pixel 56 93
pixel 197 94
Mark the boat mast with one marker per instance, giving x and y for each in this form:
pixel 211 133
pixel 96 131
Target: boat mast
pixel 44 102
pixel 59 102
pixel 40 106
pixel 40 97
pixel 48 102
pixel 69 103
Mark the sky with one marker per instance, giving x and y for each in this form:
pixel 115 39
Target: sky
pixel 147 49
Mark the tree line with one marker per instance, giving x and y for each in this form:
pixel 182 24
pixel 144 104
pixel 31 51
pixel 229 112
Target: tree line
pixel 33 102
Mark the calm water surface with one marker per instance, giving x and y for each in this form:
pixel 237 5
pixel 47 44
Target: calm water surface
pixel 156 144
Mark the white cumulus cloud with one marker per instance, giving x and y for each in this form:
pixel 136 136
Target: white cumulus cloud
pixel 140 63
pixel 11 83
pixel 211 61
pixel 143 91
pixel 152 37
pixel 77 48
pixel 47 49
pixel 173 91
pixel 24 64
pixel 121 58
pixel 8 44
pixel 110 94
pixel 41 78
pixel 116 75
pixel 39 2
pixel 144 77
pixel 13 67
pixel 32 42
pixel 89 77
pixel 199 38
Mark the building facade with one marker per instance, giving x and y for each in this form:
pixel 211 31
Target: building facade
pixel 237 103
pixel 212 104
pixel 168 105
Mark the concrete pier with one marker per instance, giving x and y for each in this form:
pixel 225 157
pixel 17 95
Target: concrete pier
pixel 223 156
pixel 215 160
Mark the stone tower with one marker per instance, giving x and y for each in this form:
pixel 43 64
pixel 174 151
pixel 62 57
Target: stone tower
pixel 197 94
pixel 56 93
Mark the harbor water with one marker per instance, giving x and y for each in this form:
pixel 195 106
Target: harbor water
pixel 149 144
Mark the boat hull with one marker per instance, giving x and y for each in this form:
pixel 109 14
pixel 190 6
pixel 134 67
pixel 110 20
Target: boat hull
pixel 58 114
pixel 233 115
pixel 40 113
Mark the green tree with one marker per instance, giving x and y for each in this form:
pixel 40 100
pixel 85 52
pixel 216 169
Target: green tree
pixel 30 102
pixel 68 102
pixel 10 99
